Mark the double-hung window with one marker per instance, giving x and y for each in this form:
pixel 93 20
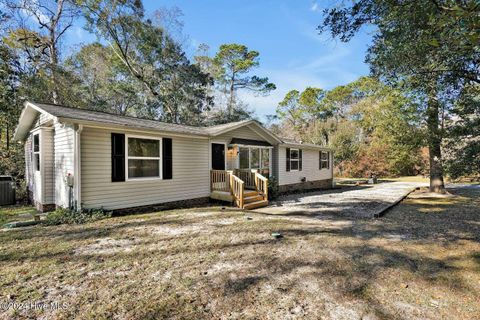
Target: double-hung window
pixel 324 160
pixel 294 159
pixel 36 152
pixel 143 158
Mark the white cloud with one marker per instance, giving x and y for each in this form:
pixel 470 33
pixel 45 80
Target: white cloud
pixel 315 7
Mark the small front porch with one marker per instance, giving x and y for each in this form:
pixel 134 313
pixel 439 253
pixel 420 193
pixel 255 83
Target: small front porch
pixel 246 188
pixel 239 171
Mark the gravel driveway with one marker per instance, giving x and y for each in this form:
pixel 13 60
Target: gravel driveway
pixel 356 202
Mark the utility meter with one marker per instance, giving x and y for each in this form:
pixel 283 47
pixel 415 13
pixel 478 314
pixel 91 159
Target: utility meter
pixel 69 179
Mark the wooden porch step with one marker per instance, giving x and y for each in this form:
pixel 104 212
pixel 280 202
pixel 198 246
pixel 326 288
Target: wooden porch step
pixel 253 198
pixel 250 193
pixel 256 204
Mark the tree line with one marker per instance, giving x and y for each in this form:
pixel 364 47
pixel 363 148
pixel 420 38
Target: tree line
pixel 418 111
pixel 137 66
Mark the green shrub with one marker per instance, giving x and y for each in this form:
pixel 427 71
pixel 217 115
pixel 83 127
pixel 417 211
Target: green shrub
pixel 272 188
pixel 68 216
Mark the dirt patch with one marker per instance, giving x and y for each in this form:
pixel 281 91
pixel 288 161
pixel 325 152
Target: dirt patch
pixel 216 264
pixel 107 246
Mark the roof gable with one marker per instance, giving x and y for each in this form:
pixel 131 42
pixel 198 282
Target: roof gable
pixel 83 116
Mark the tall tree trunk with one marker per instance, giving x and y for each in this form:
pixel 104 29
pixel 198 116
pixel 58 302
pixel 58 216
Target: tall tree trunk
pixel 232 99
pixel 434 143
pixel 53 69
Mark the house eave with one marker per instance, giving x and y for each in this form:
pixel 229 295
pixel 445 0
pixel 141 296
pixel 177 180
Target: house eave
pixel 104 125
pixel 304 146
pixel 27 118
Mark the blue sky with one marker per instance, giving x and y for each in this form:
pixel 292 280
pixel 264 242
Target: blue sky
pixel 292 54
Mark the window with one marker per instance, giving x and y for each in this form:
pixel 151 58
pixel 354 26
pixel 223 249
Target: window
pixel 324 160
pixel 143 158
pixel 265 165
pixel 244 158
pixel 255 158
pixel 36 152
pixel 255 154
pixel 294 159
pixel 265 158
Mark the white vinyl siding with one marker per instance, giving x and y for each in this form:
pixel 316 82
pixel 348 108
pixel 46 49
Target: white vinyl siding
pixel 242 133
pixel 309 168
pixel 29 169
pixel 42 119
pixel 47 165
pixel 191 174
pixel 64 145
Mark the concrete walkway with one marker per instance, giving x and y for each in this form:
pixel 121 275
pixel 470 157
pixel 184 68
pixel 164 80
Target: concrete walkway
pixel 355 202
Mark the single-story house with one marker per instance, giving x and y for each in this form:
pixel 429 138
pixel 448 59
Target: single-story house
pixel 81 158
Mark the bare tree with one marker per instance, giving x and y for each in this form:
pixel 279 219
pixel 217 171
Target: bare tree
pixel 37 27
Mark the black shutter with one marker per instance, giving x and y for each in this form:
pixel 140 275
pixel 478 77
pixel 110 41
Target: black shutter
pixel 118 157
pixel 288 159
pixel 300 160
pixel 319 160
pixel 167 158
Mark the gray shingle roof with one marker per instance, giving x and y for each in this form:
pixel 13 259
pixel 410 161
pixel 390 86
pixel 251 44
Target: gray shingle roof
pixel 133 122
pixel 75 114
pixel 298 144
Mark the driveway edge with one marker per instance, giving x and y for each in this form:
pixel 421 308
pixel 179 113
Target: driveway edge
pixel 380 213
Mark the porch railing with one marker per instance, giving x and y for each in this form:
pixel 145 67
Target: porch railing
pixel 238 188
pixel 220 180
pixel 248 176
pixel 261 185
pixel 235 183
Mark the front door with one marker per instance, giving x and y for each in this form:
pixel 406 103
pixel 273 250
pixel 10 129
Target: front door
pixel 218 156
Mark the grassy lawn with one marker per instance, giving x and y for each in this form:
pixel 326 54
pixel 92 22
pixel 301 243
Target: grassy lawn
pixel 16 213
pixel 421 260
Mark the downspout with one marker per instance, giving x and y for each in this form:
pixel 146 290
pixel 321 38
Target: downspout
pixel 77 168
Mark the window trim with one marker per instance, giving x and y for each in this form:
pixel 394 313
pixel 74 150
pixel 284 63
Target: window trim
pixel 34 153
pixel 260 157
pixel 327 160
pixel 297 160
pixel 159 158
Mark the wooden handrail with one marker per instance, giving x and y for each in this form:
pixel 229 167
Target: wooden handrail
pixel 261 185
pixel 237 189
pixel 227 181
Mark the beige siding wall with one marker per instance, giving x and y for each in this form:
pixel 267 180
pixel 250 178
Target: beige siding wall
pixel 47 164
pixel 243 133
pixel 64 145
pixel 191 174
pixel 310 168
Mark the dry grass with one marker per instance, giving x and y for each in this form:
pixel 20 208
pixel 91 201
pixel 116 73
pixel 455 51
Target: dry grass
pixel 16 213
pixel 209 263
